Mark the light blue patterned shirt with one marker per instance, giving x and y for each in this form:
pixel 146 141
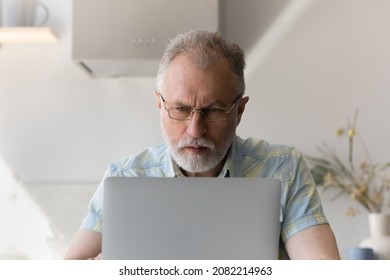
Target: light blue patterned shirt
pixel 300 205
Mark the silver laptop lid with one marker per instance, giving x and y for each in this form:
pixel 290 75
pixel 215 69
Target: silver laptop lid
pixel 191 218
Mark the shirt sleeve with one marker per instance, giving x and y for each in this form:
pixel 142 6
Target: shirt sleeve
pixel 302 207
pixel 94 218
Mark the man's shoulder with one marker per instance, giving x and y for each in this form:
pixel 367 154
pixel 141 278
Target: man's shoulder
pixel 151 160
pixel 259 148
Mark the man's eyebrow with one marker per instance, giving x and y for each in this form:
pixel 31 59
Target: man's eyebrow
pixel 214 104
pixel 179 104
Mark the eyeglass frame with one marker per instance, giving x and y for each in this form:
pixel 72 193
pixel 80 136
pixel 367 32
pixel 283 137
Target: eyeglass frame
pixel 201 110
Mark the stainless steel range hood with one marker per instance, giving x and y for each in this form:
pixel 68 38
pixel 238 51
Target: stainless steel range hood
pixel 114 38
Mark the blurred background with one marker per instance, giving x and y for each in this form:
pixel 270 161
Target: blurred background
pixel 310 65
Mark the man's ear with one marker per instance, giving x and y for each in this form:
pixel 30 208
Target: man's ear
pixel 158 99
pixel 241 108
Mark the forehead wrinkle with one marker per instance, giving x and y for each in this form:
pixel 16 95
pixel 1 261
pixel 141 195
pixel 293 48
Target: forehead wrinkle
pixel 182 103
pixel 187 85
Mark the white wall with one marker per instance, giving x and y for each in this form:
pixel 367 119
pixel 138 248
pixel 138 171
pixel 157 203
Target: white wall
pixel 58 124
pixel 314 64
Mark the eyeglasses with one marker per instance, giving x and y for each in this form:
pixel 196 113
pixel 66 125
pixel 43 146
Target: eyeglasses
pixel 212 114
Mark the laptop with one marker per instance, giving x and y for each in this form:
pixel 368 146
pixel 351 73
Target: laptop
pixel 191 218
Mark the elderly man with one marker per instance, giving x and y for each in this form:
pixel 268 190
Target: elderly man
pixel 201 101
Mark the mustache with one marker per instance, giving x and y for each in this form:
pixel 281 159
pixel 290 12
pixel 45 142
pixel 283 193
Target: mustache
pixel 200 142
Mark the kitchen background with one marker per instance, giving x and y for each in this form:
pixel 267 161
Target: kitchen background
pixel 310 65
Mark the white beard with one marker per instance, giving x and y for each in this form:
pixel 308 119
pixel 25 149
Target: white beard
pixel 197 163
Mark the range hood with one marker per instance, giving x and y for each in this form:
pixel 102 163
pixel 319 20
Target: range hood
pixel 113 38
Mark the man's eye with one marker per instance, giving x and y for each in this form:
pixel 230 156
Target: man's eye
pixel 183 109
pixel 213 110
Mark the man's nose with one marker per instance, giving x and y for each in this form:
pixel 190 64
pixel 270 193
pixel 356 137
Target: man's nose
pixel 196 126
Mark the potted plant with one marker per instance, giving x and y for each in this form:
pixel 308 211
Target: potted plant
pixel 366 182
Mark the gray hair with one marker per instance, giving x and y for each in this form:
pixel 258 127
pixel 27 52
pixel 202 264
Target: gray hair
pixel 204 48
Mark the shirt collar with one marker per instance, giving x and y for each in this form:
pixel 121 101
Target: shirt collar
pixel 233 163
pixel 176 169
